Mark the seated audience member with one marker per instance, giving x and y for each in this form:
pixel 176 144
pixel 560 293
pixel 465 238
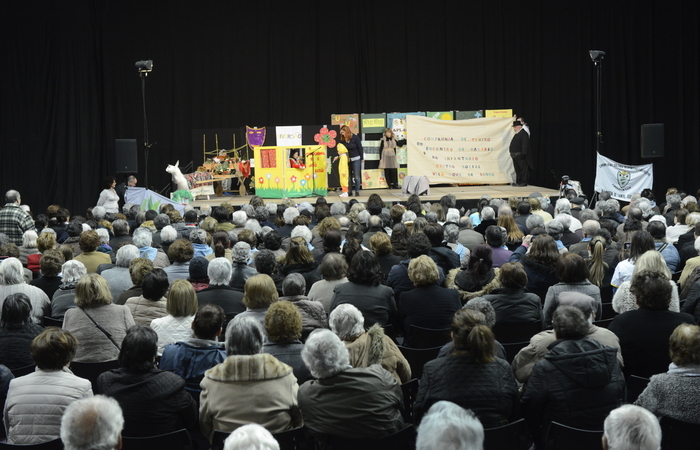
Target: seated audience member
pixel 74 230
pixel 572 272
pixel 17 331
pixel 221 243
pixel 28 246
pixel 249 386
pixel 12 282
pixel 94 305
pixel 118 277
pixel 630 427
pixel 181 306
pixel 467 235
pixel 251 436
pixel 380 244
pixel 495 239
pixel 49 281
pixel 138 269
pixel 120 228
pixel 199 278
pixel 539 255
pixel 334 271
pixel 198 238
pixel 92 423
pixel 260 293
pixel 479 272
pixel 513 235
pixel 193 356
pixel 345 402
pixel 624 300
pixel 428 305
pixel 153 401
pixel 143 239
pixel 568 237
pixel 443 255
pixel 657 229
pixel 283 327
pixel 89 241
pixel 151 304
pixel 240 271
pixel 674 394
pixel 587 231
pixel 331 242
pixel 644 332
pixel 312 312
pixel 449 426
pixel 363 289
pixel 577 383
pixel 180 253
pixel 298 259
pixel 45 241
pixel 398 280
pixel 64 297
pixel 219 292
pixel 690 265
pixel 538 347
pixel 488 218
pixel 266 263
pixel 368 347
pixel 36 402
pixel 472 362
pixel 512 303
pixel 641 243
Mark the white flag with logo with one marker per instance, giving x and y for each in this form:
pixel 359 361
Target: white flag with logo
pixel 621 179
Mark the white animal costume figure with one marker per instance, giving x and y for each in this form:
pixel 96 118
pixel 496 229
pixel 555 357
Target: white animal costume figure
pixel 178 178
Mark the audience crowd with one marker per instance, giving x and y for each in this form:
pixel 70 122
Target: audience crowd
pixel 275 315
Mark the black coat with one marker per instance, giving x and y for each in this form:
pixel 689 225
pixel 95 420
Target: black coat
pixel 539 276
pixel 521 144
pixel 515 306
pixel 153 403
pixel 577 384
pixel 428 307
pixel 489 390
pixel 230 299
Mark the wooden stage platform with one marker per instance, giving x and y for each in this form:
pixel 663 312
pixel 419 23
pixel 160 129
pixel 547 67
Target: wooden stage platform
pixel 470 194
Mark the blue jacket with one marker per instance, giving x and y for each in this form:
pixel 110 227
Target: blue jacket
pixel 191 359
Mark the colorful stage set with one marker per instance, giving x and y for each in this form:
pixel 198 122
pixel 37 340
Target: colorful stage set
pixel 464 153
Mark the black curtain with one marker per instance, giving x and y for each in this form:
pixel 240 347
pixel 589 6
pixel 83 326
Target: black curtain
pixel 69 86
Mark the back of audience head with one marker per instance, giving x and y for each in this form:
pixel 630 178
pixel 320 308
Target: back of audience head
pixel 244 336
pixel 480 304
pixel 423 271
pixel 92 423
pixel 512 276
pixel 51 262
pixel 571 268
pixel 259 292
pixel 138 349
pixel 251 437
pixel 447 426
pixel 325 354
pixel 16 311
pixel 494 236
pixel 53 349
pixel 652 290
pixel 471 335
pixel 418 244
pixel 208 321
pixel 631 427
pixel 364 269
pixel 92 290
pixel 641 242
pixel 351 248
pixel 182 299
pixel 333 267
pixel 569 322
pixel 418 225
pixel 346 321
pixel 283 322
pixel 294 284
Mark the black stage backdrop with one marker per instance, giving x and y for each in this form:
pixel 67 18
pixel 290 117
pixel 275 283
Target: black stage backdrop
pixel 69 86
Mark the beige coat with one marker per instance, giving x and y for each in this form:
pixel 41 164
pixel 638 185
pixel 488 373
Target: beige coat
pixel 144 310
pixel 374 347
pixel 249 389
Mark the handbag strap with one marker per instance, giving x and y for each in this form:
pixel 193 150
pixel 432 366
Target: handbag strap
pixel 105 332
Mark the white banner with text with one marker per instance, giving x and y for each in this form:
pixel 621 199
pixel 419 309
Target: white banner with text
pixel 621 179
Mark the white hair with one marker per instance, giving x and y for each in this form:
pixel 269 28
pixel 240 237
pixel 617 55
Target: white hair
pixel 205 210
pixel 346 321
pixel 86 227
pixel 487 213
pixel 657 218
pixel 450 427
pixel 219 272
pixel 289 215
pixel 73 270
pixel 168 234
pixel 271 208
pixel 244 336
pixel 696 245
pixel 325 354
pixel 239 218
pixel 303 231
pixel 631 427
pixel 241 252
pixel 251 437
pixel 306 206
pixel 142 237
pixel 565 220
pixel 29 239
pixel 98 212
pixel 692 219
pixel 338 209
pixel 11 272
pixel 408 216
pixel 103 234
pixel 92 423
pixel 363 216
pixel 254 226
pixel 452 215
pixel 563 206
pixel 126 254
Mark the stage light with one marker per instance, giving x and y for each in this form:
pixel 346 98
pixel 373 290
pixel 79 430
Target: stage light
pixel 144 66
pixel 596 55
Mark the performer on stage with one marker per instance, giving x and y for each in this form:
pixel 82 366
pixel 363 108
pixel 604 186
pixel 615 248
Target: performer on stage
pixel 520 152
pixel 295 162
pixel 342 168
pixel 108 197
pixel 356 155
pixel 388 161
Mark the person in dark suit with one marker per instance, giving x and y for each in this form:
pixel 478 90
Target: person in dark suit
pixel 520 152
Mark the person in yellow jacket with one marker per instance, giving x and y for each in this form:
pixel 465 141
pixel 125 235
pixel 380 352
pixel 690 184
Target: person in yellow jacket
pixel 343 171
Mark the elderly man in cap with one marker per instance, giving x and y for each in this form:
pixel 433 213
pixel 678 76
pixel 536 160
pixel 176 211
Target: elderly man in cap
pixel 520 152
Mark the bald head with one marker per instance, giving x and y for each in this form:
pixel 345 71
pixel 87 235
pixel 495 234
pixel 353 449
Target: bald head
pixel 12 196
pixel 590 227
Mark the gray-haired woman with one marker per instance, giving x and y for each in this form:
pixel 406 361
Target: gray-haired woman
pixel 248 386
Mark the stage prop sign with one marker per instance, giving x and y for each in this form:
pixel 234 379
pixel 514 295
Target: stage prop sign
pixel 276 178
pixel 373 123
pixel 148 199
pixel 471 151
pixel 444 115
pixel 461 115
pixel 499 113
pixel 351 120
pixel 621 179
pixel 288 136
pixel 397 122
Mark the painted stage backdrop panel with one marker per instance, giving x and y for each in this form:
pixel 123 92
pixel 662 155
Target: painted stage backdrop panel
pixel 473 151
pixel 276 178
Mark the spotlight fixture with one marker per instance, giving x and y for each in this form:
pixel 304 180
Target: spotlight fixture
pixel 596 55
pixel 144 66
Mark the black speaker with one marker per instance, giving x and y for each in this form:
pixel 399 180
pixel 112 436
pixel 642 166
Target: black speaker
pixel 652 140
pixel 126 156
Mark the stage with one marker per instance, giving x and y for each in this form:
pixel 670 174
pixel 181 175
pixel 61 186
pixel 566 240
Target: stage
pixel 466 196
